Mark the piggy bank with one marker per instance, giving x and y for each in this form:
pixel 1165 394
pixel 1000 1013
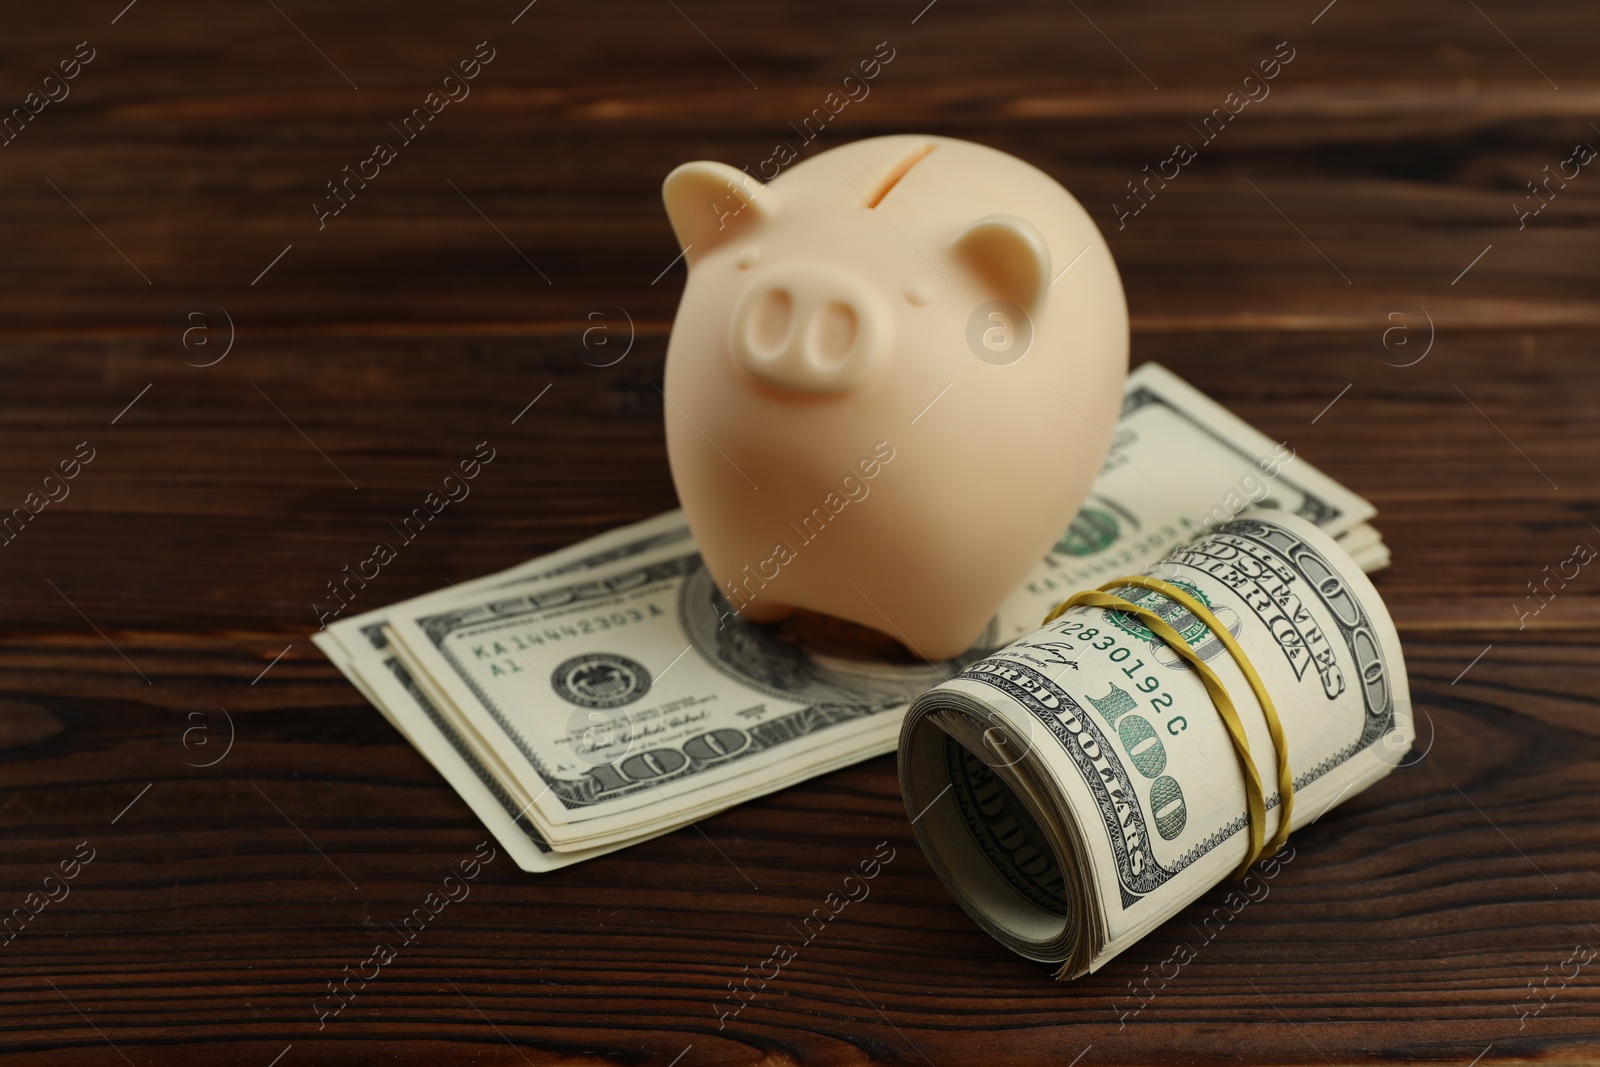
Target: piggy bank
pixel 892 379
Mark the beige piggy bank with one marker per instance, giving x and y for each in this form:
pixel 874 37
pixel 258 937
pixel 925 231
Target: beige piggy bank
pixel 891 382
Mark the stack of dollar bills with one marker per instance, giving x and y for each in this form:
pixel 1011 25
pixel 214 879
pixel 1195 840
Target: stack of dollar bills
pixel 601 695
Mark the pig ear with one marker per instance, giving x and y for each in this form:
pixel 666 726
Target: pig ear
pixel 1010 255
pixel 710 204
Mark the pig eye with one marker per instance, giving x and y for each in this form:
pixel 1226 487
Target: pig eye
pixel 748 257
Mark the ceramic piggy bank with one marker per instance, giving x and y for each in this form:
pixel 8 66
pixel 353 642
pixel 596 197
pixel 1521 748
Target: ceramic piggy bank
pixel 891 381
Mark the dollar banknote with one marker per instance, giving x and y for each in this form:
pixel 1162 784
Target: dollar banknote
pixel 359 647
pixel 606 693
pixel 1079 787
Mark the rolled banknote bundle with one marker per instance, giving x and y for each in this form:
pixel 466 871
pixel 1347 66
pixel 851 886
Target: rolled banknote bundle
pixel 1082 785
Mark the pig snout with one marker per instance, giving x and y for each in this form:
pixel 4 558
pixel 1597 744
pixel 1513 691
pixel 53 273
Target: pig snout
pixel 811 328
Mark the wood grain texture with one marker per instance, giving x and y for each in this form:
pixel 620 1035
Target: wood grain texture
pixel 382 347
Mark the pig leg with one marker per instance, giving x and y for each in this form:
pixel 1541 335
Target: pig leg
pixel 766 612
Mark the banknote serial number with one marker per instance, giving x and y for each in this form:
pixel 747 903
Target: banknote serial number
pixel 523 640
pixel 1118 653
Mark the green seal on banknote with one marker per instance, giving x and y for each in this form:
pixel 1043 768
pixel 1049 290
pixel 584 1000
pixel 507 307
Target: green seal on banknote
pixel 1092 530
pixel 1176 615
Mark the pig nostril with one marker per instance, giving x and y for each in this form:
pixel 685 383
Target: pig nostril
pixel 771 324
pixel 832 335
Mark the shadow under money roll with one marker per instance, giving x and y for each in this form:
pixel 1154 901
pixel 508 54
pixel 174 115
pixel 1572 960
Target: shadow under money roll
pixel 1079 787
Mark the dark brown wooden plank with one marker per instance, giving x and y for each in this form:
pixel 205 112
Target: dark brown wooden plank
pixel 230 518
pixel 1401 157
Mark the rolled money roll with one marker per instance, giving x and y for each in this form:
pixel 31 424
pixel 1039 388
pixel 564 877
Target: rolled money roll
pixel 1079 787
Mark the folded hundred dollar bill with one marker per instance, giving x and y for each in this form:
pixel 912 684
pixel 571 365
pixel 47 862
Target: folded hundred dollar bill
pixel 604 694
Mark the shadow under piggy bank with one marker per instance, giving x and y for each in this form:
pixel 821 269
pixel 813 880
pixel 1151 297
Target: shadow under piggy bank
pixel 842 669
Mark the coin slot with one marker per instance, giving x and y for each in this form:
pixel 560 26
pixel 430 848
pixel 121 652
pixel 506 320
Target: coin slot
pixel 899 171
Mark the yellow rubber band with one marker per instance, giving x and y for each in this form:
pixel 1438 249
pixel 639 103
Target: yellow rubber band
pixel 1255 800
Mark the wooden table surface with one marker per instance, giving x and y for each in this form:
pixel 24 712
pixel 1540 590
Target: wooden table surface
pixel 163 208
